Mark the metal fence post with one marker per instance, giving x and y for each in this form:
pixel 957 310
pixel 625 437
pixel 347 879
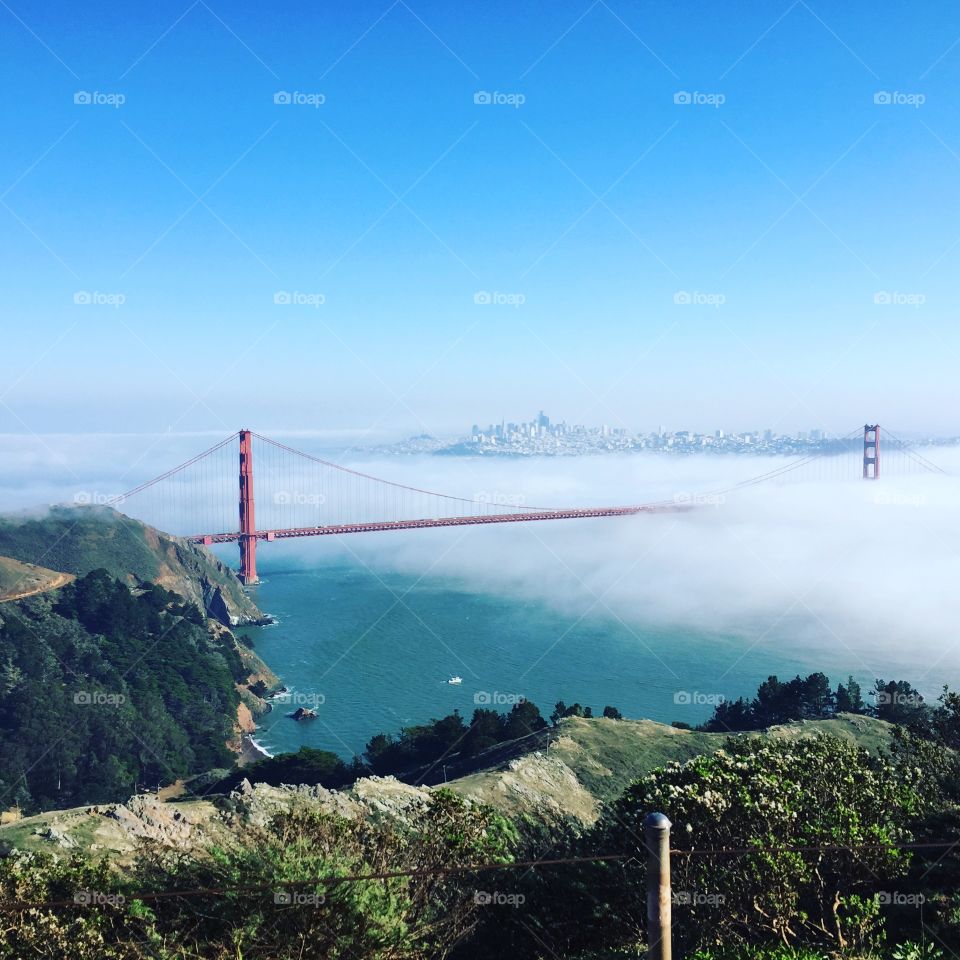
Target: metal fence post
pixel 656 833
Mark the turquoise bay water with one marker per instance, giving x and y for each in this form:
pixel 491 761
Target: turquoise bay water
pixel 379 647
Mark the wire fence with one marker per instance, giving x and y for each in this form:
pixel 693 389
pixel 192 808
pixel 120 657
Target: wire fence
pixel 637 857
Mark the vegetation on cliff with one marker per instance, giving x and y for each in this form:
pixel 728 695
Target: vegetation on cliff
pixel 102 689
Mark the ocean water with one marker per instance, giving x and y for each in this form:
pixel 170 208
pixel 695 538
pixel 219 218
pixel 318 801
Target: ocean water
pixel 374 651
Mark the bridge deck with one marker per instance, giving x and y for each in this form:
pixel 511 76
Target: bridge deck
pixel 336 529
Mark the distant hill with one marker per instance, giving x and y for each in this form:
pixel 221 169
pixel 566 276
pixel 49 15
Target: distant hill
pixel 76 540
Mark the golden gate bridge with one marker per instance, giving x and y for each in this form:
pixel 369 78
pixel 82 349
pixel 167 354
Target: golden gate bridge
pixel 295 494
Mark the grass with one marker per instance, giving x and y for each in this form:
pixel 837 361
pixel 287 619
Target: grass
pixel 80 539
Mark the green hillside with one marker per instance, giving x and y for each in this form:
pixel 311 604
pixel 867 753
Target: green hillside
pixel 76 540
pixel 590 762
pixel 102 688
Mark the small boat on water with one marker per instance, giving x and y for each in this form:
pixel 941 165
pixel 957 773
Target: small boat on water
pixel 455 680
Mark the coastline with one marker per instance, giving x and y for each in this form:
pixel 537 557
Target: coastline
pixel 251 751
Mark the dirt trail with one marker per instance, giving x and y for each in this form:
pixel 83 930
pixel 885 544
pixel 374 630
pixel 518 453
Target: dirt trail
pixel 60 580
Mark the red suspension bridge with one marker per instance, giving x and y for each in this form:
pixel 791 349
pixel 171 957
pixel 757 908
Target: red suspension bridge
pixel 301 495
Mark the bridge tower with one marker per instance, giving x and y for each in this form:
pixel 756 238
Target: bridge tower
pixel 248 527
pixel 871 451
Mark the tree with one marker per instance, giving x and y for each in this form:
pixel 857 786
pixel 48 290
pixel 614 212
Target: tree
pixel 731 715
pixel 485 731
pixel 377 748
pixel 524 718
pixel 945 719
pixel 816 697
pixel 447 732
pixel 307 765
pixel 849 698
pixel 898 702
pixel 802 698
pixel 612 713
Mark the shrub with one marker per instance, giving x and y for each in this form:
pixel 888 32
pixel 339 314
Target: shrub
pixel 280 891
pixel 772 801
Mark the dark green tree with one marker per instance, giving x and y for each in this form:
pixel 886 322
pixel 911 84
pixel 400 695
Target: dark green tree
pixel 898 702
pixel 522 720
pixel 849 698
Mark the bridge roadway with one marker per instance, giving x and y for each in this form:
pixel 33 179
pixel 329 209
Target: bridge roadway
pixel 336 529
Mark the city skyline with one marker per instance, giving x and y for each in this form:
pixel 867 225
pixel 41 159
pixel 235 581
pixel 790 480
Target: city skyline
pixel 542 422
pixel 542 436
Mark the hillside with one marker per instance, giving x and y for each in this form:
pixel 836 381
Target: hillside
pixel 102 688
pixel 590 762
pixel 117 662
pixel 586 765
pixel 18 580
pixel 75 540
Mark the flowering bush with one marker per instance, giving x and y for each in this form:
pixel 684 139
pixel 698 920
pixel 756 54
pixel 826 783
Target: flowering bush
pixel 808 829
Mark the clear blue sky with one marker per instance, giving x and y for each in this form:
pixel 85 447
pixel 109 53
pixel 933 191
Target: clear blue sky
pixel 598 201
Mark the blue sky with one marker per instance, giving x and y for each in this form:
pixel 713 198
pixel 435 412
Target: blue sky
pixel 814 230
